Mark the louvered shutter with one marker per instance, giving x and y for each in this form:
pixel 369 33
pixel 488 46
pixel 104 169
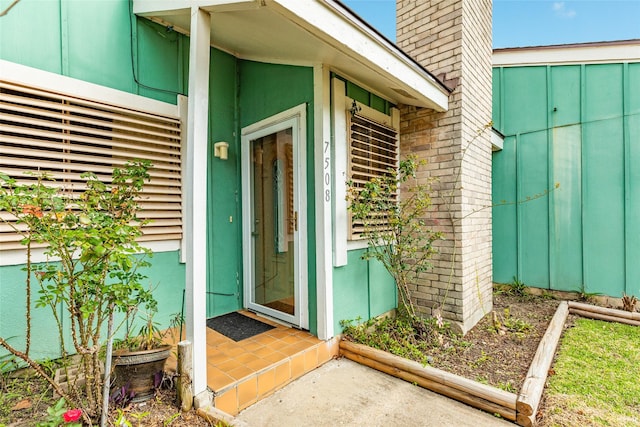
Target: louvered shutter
pixel 64 136
pixel 373 152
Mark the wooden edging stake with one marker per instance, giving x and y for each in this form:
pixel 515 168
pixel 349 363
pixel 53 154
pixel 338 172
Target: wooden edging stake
pixel 603 313
pixel 490 399
pixel 521 408
pixel 533 386
pixel 185 375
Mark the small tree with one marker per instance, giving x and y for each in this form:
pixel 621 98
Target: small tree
pixel 91 235
pixel 395 227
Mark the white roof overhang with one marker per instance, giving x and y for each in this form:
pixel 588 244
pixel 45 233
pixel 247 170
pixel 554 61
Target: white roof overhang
pixel 568 54
pixel 307 32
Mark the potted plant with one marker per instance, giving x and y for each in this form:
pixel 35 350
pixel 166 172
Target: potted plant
pixel 138 361
pixel 93 267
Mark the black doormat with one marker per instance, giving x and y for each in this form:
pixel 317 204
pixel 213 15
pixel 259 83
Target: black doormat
pixel 237 326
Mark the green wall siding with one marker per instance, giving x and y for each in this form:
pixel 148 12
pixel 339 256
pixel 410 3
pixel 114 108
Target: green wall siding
pixel 224 222
pixel 525 100
pixel 268 89
pixel 505 260
pixel 365 97
pixel 63 37
pixel 362 288
pixel 162 61
pixel 165 276
pixel 578 126
pixel 532 216
pixel 30 34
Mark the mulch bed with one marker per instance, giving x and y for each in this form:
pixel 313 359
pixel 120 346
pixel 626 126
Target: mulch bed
pixel 500 359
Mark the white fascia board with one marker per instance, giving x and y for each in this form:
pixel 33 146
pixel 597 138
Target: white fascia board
pixel 497 141
pixel 556 55
pixel 164 7
pixel 349 37
pixel 51 82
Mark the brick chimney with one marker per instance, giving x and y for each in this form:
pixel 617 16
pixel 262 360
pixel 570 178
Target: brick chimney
pixel 452 39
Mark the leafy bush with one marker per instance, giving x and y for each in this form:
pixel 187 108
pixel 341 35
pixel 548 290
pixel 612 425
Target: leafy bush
pixel 404 244
pixel 92 236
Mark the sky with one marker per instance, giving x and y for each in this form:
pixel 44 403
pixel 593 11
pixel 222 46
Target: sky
pixel 518 23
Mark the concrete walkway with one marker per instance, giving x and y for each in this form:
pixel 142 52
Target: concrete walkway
pixel 342 392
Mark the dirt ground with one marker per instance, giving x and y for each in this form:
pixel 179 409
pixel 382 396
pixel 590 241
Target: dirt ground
pixel 500 356
pixel 163 411
pixel 497 351
pixel 160 411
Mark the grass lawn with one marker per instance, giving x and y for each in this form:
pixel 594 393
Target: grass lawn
pixel 597 376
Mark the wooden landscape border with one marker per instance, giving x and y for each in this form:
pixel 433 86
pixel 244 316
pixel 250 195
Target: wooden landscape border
pixel 520 408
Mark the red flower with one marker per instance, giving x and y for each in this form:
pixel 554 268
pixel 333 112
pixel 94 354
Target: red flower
pixel 72 415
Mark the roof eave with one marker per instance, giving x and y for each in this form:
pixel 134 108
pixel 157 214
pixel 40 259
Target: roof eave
pixel 381 66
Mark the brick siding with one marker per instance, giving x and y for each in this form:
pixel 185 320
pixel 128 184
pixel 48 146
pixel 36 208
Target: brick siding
pixel 452 39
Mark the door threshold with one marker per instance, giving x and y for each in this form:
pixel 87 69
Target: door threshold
pixel 273 319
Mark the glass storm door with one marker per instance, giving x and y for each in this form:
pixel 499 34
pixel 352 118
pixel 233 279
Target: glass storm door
pixel 272 266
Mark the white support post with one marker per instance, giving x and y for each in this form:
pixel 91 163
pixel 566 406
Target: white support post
pixel 340 212
pixel 323 178
pixel 196 195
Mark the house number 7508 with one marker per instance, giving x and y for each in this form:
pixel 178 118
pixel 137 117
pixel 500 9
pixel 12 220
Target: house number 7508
pixel 327 172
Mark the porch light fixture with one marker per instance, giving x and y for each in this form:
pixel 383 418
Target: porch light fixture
pixel 221 150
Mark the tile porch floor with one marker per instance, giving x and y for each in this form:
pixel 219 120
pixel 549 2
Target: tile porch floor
pixel 241 373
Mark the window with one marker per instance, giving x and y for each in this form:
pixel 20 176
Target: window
pixel 373 152
pixel 65 135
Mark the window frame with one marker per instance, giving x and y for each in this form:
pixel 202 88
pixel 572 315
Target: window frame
pixel 43 83
pixel 341 105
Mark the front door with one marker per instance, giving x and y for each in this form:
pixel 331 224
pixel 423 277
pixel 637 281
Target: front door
pixel 273 220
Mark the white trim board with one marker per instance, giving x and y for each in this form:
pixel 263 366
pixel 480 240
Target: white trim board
pixel 340 161
pixel 323 171
pixel 19 256
pixel 574 54
pixel 195 190
pixel 56 83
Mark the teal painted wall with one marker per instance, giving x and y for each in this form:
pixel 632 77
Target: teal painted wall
pixel 268 89
pixel 364 96
pixel 362 288
pixel 165 276
pixel 224 233
pixel 579 126
pixel 63 37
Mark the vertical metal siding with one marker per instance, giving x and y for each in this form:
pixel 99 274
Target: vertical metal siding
pixel 30 35
pixel 565 252
pixel 533 243
pixel 632 138
pixel 505 244
pixel 603 180
pixel 578 126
